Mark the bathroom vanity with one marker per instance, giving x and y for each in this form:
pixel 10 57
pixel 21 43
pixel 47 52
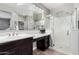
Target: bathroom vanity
pixel 22 46
pixel 30 19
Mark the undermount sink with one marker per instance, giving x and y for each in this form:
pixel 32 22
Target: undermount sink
pixel 22 35
pixel 3 37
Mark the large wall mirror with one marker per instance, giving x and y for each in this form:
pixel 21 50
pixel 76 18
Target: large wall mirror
pixel 19 21
pixel 37 17
pixel 31 22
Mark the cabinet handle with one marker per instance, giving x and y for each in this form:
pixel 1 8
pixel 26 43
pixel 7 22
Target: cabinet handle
pixel 4 53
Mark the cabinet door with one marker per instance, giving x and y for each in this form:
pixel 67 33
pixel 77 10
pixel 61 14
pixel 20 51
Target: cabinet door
pixel 43 43
pixel 25 46
pixel 8 48
pixel 46 41
pixel 40 44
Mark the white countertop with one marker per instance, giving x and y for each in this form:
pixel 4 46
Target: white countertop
pixel 4 39
pixel 40 35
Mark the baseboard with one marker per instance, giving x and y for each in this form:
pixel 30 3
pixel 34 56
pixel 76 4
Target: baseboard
pixel 60 51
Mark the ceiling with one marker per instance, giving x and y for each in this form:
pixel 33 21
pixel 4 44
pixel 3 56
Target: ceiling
pixel 61 9
pixel 17 7
pixel 56 9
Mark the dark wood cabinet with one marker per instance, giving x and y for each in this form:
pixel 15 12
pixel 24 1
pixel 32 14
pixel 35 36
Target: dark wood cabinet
pixel 43 42
pixel 19 47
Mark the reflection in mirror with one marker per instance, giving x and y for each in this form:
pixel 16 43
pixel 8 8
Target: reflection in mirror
pixel 4 23
pixel 37 17
pixel 9 19
pixel 21 25
pixel 5 19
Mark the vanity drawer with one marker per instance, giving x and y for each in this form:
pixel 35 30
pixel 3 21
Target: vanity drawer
pixel 7 46
pixel 13 51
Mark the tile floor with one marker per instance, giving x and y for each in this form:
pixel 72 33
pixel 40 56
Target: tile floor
pixel 46 52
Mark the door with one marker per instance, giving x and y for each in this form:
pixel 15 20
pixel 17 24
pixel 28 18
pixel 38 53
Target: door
pixel 62 31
